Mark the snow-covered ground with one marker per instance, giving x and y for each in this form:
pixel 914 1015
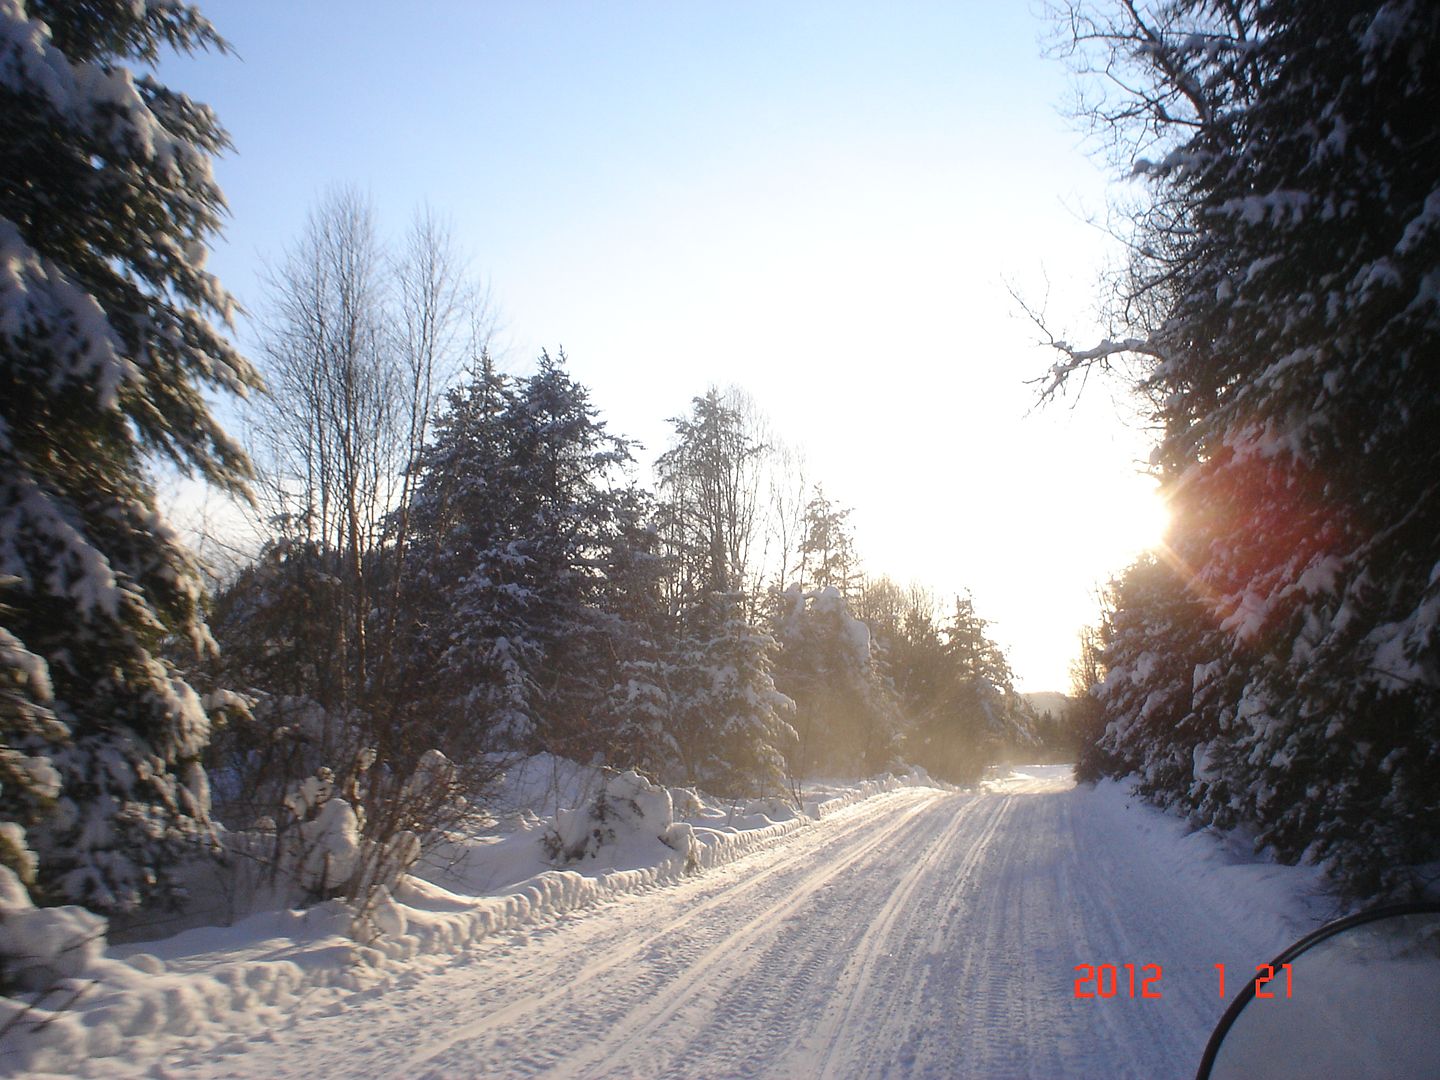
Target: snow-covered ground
pixel 915 931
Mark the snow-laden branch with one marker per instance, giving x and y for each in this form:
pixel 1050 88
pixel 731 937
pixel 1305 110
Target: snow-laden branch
pixel 1073 360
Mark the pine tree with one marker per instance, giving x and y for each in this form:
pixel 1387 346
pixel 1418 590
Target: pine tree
pixel 107 343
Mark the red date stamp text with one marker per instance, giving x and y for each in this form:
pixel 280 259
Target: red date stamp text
pixel 1143 981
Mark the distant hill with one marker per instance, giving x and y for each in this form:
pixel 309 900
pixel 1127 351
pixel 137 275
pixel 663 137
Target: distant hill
pixel 1051 701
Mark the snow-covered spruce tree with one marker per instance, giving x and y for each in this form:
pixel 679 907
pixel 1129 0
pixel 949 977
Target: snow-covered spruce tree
pixel 1085 719
pixel 107 340
pixel 518 515
pixel 732 724
pixel 636 717
pixel 459 513
pixel 1166 661
pixel 580 513
pixel 1284 292
pixel 28 781
pixel 971 713
pixel 827 548
pixel 635 722
pixel 846 712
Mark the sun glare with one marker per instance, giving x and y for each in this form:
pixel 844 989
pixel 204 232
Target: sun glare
pixel 1150 521
pixel 1137 523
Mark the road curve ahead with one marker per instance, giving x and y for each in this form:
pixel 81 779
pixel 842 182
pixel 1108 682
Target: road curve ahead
pixel 920 933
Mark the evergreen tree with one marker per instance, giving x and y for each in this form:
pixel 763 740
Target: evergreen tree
pixel 847 713
pixel 709 490
pixel 518 522
pixel 637 716
pixel 1156 639
pixel 1086 717
pixel 917 660
pixel 28 780
pixel 107 343
pixel 972 712
pixel 732 723
pixel 1284 291
pixel 827 549
pixel 460 519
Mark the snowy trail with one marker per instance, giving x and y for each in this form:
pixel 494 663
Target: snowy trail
pixel 917 933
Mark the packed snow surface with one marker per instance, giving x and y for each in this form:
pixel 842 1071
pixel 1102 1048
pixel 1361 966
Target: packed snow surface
pixel 916 932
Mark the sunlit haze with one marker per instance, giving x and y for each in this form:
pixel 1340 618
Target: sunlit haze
pixel 825 204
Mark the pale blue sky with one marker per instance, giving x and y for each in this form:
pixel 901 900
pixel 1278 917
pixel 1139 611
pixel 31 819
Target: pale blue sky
pixel 819 202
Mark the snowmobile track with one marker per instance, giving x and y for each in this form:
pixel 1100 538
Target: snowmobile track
pixel 917 933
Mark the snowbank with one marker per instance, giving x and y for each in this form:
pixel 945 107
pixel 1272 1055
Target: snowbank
pixel 100 1002
pixel 1222 867
pixel 43 946
pixel 104 1003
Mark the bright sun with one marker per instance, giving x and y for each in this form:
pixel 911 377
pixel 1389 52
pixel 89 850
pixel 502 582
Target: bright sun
pixel 1135 521
pixel 1149 520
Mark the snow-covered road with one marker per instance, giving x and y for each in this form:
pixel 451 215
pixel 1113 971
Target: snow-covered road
pixel 918 933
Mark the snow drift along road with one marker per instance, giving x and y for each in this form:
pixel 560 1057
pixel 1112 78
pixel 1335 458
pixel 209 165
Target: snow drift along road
pixel 916 933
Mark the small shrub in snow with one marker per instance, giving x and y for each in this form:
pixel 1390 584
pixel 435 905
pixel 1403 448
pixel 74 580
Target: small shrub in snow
pixel 627 807
pixel 318 843
pixel 348 838
pixel 686 802
pixel 772 806
pixel 327 849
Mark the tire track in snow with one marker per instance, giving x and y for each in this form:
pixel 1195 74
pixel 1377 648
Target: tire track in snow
pixel 917 934
pixel 764 923
pixel 736 956
pixel 772 1014
pixel 376 1032
pixel 854 1010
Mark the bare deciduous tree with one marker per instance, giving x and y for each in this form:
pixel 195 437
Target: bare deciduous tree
pixel 326 460
pixel 359 342
pixel 358 345
pixel 785 521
